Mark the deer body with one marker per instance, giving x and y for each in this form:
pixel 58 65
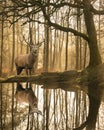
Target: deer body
pixel 25 61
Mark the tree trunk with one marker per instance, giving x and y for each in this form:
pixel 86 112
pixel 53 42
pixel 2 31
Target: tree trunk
pixel 1 47
pixel 13 47
pixel 95 58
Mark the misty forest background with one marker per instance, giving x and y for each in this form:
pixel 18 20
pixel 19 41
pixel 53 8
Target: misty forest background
pixel 72 42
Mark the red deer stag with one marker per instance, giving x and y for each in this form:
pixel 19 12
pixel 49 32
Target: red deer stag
pixel 27 61
pixel 26 95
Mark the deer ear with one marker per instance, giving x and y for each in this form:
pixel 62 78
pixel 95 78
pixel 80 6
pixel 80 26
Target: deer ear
pixel 32 46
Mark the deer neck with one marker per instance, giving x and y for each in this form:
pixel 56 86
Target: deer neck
pixel 33 57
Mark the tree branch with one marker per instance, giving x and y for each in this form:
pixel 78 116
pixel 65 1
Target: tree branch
pixel 68 80
pixel 95 11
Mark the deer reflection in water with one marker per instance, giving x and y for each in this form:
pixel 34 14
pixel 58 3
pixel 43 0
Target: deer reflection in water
pixel 27 96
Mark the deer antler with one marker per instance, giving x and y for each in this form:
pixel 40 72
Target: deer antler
pixel 40 43
pixel 26 40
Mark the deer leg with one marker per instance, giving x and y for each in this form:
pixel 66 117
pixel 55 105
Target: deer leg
pixel 19 70
pixel 27 85
pixel 26 70
pixel 30 71
pixel 19 87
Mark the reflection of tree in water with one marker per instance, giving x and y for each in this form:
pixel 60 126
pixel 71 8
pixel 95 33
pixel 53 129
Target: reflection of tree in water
pixel 20 114
pixel 58 107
